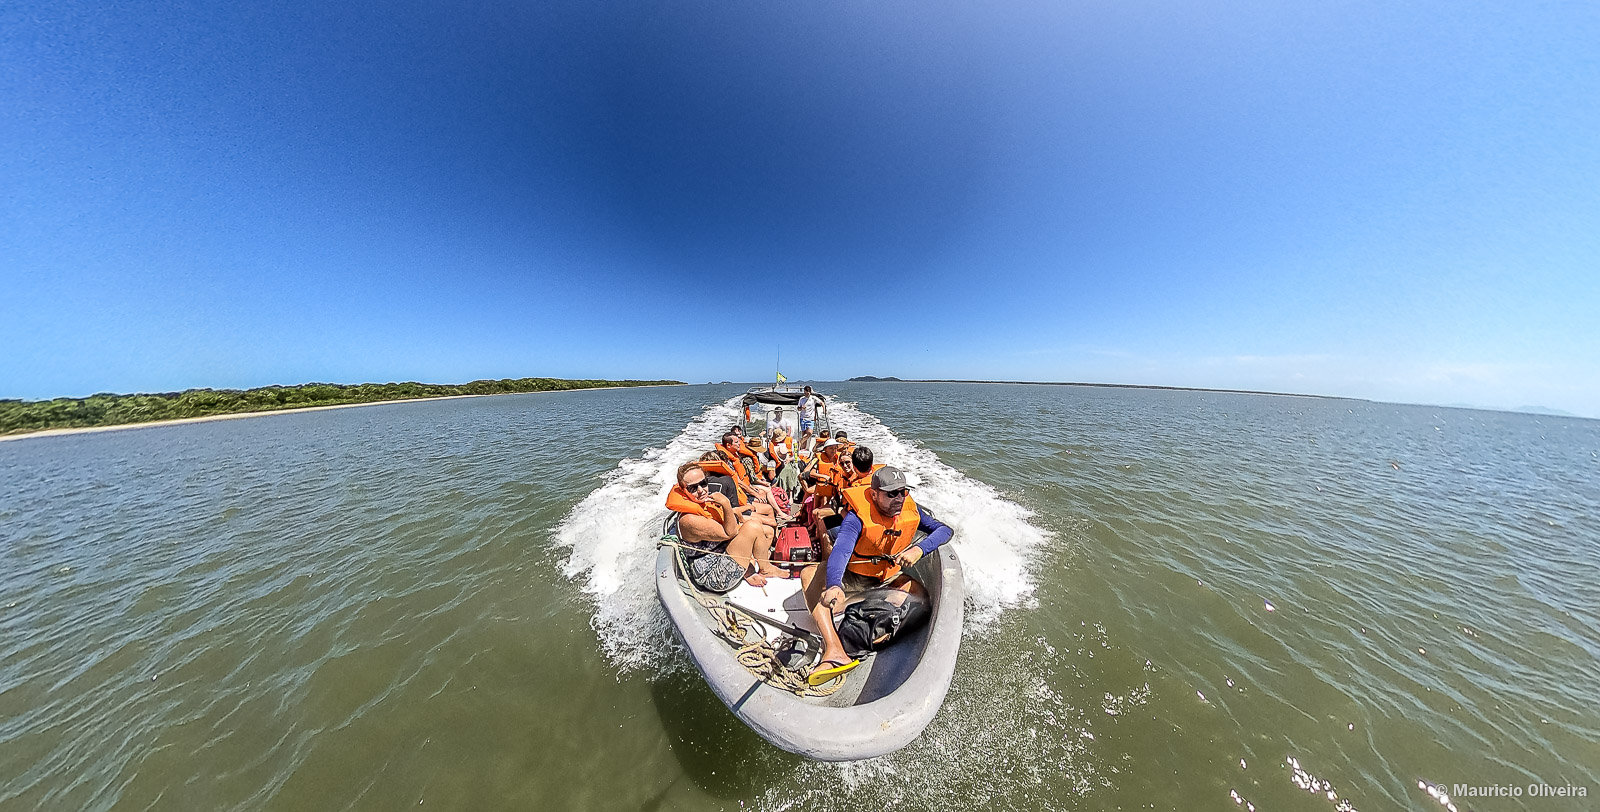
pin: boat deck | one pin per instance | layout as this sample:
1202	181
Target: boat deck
783	600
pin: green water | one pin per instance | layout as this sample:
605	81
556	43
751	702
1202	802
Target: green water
448	605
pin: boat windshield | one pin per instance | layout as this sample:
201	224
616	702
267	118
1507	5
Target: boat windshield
766	407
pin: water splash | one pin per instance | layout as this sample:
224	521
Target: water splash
995	537
612	537
611	533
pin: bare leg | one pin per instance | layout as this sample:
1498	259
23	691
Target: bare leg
819	534
815	580
764	513
753	545
763	552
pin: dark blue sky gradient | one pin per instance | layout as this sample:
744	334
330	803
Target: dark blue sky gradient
1358	199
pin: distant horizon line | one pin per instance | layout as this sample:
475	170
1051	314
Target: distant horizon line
1541	411
1537	411
875	379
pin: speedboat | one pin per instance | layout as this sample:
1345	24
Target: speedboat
754	646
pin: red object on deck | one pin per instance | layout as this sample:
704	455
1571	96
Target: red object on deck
793	544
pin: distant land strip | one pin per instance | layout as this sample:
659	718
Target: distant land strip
869	378
107	410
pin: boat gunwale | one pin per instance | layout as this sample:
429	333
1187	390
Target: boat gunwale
873	728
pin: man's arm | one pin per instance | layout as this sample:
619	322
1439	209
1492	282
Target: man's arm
844	545
938	532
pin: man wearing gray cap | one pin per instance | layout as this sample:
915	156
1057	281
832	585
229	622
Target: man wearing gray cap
873	545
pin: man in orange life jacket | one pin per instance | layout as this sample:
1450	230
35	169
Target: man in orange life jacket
857	469
725	451
873	545
741	450
722	549
748	500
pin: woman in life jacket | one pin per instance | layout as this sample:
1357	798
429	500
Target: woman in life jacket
858	471
720	547
763	462
824	467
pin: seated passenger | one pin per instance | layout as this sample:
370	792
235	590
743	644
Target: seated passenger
815	510
720	548
824	466
779	437
786	474
873	546
738	445
855	474
763	462
724	462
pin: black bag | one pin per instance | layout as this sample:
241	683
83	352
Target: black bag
874	622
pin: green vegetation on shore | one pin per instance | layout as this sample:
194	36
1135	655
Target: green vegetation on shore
19	416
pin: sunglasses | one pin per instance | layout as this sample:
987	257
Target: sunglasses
697	486
894	494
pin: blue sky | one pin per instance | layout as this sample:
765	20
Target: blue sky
1379	200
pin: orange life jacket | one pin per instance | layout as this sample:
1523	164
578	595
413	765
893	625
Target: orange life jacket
738	470
679	501
880	534
788	444
827	473
720	468
849	477
739	449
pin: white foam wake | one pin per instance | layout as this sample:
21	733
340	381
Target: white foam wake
995	537
611	534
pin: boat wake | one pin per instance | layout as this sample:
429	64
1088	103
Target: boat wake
611	534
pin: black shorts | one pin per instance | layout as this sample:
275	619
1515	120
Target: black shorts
855	582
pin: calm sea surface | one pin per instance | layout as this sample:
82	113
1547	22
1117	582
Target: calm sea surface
1180	600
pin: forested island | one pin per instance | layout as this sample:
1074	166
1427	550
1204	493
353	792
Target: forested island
21	416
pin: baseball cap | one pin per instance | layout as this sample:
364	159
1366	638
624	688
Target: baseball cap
889	478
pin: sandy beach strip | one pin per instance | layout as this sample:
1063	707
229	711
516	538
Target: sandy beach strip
238	415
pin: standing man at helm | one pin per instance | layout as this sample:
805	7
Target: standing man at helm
809	403
872	547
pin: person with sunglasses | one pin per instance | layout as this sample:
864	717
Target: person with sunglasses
722	549
855	471
873	546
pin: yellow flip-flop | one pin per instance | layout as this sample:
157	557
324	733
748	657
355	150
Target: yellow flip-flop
821	675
